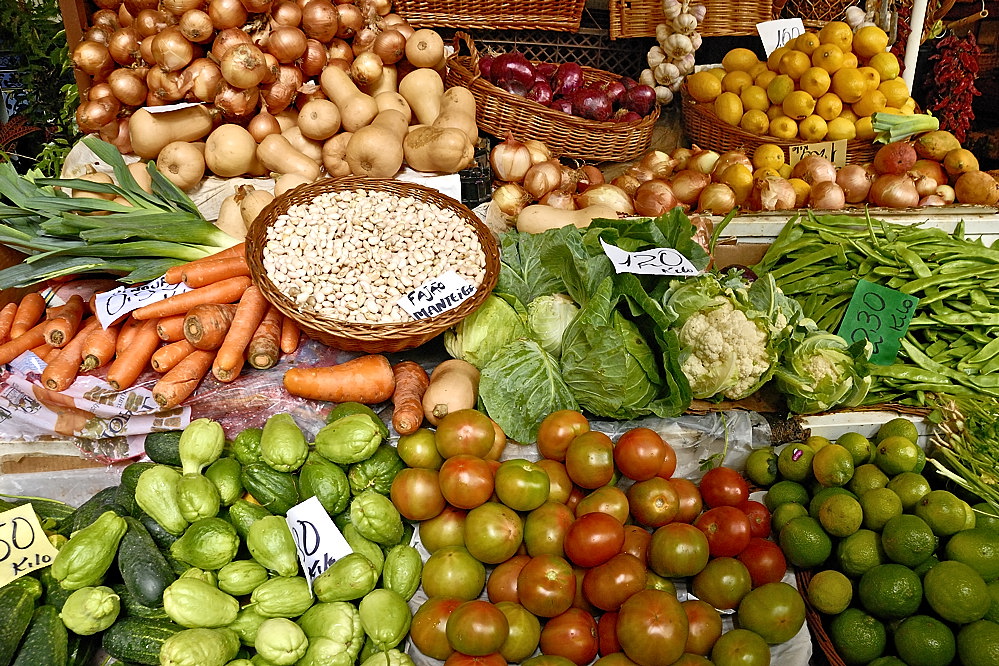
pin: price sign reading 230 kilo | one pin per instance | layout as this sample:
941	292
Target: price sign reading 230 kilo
654	261
881	315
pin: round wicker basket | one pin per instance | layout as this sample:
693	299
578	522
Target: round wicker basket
820	636
352	336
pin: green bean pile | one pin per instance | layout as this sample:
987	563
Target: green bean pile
952	344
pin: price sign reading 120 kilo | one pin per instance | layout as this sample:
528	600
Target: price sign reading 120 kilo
24	548
881	315
654	261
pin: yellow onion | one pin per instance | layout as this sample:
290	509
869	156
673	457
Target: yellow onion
171	50
227	13
285	43
320	20
129	86
92	58
279	95
510	159
243	66
236	102
196	25
123	46
202	79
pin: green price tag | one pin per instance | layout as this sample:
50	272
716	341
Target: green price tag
881	315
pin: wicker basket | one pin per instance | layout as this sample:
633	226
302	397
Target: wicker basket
703	127
558	15
351	336
498	112
816	13
820	636
723	18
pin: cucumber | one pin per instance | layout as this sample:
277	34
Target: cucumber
144	569
126	489
278	491
47	641
91	510
16	606
137	640
32	585
132	607
55	594
164	447
162	538
82	650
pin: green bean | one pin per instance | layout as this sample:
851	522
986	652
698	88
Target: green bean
984	354
909	373
990	319
935	348
915	263
918	285
827	252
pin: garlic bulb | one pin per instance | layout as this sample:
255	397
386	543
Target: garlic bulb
678	46
656	56
686	64
647	78
695	40
854	16
685	24
673	58
664	95
699	12
667	73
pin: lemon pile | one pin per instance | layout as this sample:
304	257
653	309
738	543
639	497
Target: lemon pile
822	86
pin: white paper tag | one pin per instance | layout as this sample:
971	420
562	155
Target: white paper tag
444	292
777	33
834	151
23	545
170	107
656	261
115	304
317	539
448	184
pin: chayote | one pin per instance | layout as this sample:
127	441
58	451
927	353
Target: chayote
337	621
224	473
246	445
200	445
280	641
241	577
202	575
209	543
385	617
350	577
199	647
402	570
322	479
246	623
349	439
90	610
282	444
365	546
156	494
376	472
284	596
376	518
191	602
85	558
349	408
240	662
391	657
197	497
271	544
326	652
243	513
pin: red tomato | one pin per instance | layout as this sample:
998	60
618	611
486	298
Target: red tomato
575	495
493	532
560	485
740	647
452	572
420	449
608	585
445	529
459	659
502	582
557	430
616	659
727	529
546	585
466	481
545	529
547	660
593	538
668	465
690	500
678	550
606	499
428	628
579	600
765	561
524	635
589	460
652	628
636	542
704	626
654	502
639	453
723	486
759	518
572	635
416	492
722	583
522	485
477	628
465	431
607	634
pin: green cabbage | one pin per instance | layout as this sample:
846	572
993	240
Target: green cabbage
548	317
821	370
479	337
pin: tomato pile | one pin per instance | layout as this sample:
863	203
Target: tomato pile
579	553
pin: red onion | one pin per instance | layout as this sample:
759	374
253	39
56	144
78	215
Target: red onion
814	169
687	185
640	98
568	78
592	104
855	181
655	197
894	190
827	195
512	72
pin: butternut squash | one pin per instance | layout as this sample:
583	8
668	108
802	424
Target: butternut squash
287	118
182	163
319	119
151	132
393	100
230	151
423	89
424	48
537	218
278	155
376	150
230	220
251	202
454	385
309	147
458	110
141	175
387	82
287	182
356	108
334	151
438	149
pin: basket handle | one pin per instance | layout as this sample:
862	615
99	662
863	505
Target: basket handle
462	37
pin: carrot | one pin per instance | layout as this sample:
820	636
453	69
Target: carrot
7	315
206	325
130	363
99	348
175	274
171	329
365	379
46	352
28	340
249	313
223	291
264	349
61	371
167	356
289	335
200	274
126	333
179	383
411	382
64	321
30	310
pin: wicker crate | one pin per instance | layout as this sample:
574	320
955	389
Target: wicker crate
639	18
492	14
815	13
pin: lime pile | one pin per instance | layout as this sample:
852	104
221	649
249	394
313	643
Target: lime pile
904	573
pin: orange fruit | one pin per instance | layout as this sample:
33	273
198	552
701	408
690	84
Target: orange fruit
887	65
794	64
815	81
829	57
838	33
739	59
798	104
807	42
829	106
869	41
849	84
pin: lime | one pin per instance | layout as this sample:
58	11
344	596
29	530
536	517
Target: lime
897	427
993	611
922	640
978	644
910	488
830	592
832	465
857	636
785	491
880	505
841	515
942	510
978	548
761	467
795	462
890	591
986	517
887	661
859	552
908	540
920	460
804	542
822	495
895	455
956	592
784	513
867	477
926	565
970	517
859	447
816	442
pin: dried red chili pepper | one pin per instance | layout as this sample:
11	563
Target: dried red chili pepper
952	82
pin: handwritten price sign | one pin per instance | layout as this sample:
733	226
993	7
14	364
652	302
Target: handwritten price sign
881	315
115	304
24	548
317	538
775	34
656	261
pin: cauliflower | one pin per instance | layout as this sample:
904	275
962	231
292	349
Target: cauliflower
726	352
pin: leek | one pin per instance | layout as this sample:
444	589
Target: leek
892	127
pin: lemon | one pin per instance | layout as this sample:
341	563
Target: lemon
829	106
870	103
773	60
829	57
956	592
804	542
821	496
865	128
859	552
768	156
739	59
754	121
794	64
754	97
798	104
910	488
841	515
850	60
783	491
978	644
776	112
764	173
763	79
840	128
815	81
830	592
869	41
858	637
779	88
807	42
703	86
908	107
739	178
758	68
942	510
785	513
867	477
785	171
832	465
812	129
978	548
736	81
728	107
849	114
849	84
922	640
859	447
838	33
890	591
761	465
886	64
794	461
783	127
897	427
717	72
908	540
879	505
801	191
871	76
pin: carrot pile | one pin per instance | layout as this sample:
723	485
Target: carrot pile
220	324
